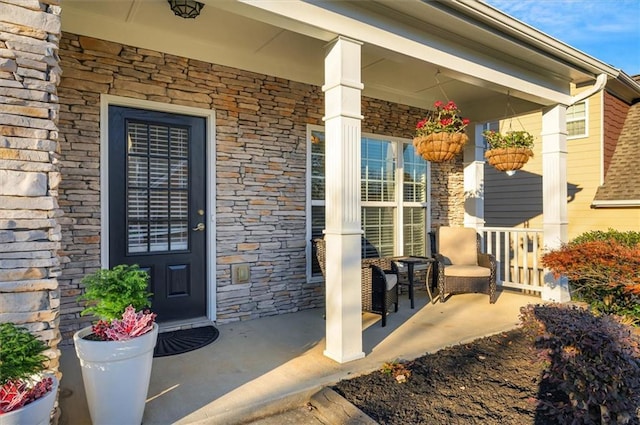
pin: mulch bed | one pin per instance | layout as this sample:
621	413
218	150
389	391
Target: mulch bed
492	380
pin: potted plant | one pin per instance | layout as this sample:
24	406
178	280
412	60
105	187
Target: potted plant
440	136
508	151
27	391
116	353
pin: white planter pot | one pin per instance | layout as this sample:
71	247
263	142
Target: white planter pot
116	376
36	413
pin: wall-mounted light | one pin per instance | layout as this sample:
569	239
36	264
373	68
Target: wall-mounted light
186	8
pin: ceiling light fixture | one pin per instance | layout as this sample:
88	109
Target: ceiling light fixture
186	8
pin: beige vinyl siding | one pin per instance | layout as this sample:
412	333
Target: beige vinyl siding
517	201
584	165
621	219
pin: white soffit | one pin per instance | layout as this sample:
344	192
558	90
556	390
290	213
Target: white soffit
216	36
405	45
382	24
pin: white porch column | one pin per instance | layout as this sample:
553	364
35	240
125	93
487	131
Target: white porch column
554	188
474	181
342	177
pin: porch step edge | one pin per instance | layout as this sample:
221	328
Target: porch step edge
253	412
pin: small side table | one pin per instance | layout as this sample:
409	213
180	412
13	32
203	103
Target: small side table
410	262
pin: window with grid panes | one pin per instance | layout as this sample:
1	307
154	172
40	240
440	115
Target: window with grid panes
577	120
157	191
414	190
394	196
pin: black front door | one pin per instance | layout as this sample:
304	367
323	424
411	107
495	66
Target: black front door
157	205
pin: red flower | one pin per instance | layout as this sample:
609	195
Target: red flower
444	119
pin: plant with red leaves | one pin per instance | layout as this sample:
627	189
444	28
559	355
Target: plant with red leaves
15	394
133	324
604	273
594	361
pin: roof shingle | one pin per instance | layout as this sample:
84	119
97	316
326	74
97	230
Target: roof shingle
622	182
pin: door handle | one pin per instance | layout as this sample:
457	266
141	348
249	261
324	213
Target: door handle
199	227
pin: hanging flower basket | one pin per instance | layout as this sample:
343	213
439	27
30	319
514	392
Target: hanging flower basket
508	159
440	136
508	151
440	147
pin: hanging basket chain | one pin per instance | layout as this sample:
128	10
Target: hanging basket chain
440	85
509	108
511	157
440	135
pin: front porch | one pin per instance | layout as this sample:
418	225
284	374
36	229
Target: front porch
260	367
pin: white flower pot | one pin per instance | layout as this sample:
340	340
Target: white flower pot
35	413
116	376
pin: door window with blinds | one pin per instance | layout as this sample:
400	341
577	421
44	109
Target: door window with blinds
394	183
157	188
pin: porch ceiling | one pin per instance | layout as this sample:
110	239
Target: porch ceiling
250	37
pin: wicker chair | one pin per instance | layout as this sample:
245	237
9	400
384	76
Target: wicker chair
461	266
379	282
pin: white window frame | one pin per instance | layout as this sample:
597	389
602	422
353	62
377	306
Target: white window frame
585	119
398	204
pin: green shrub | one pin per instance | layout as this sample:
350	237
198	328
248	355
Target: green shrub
628	239
110	291
593	360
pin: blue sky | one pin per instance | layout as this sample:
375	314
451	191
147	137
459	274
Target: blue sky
608	30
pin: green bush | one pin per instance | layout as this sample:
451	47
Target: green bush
593	360
628	239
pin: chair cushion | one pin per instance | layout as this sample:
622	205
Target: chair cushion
458	245
466	271
392	280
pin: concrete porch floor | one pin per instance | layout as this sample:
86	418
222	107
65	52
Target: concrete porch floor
265	366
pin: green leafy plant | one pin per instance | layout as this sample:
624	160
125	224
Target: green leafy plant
110	291
510	139
22	363
594	361
120	299
444	119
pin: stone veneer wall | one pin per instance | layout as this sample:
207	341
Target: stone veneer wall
260	167
29	230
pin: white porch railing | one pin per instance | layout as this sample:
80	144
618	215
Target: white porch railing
518	253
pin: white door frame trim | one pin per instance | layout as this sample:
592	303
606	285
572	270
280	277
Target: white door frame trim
107	100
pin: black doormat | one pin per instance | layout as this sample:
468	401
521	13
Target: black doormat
184	340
